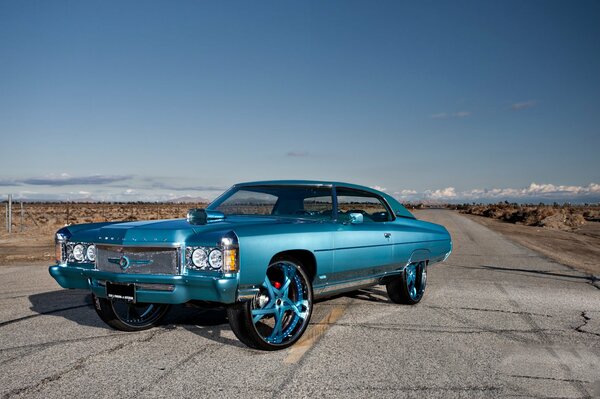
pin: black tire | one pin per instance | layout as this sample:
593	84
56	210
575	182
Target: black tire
126	316
287	311
409	288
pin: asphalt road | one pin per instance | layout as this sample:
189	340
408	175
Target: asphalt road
497	320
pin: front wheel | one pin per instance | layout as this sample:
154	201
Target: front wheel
409	287
278	316
127	316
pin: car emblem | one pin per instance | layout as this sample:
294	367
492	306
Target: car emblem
124	262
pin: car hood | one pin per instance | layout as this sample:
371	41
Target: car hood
165	231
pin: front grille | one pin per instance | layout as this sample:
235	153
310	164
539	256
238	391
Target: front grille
137	260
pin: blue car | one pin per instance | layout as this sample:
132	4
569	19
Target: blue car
264	250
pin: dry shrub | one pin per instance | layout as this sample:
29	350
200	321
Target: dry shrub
547	216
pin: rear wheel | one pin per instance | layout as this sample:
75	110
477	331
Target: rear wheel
278	316
409	287
127	316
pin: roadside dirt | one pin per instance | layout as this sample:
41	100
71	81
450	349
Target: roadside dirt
27	247
579	249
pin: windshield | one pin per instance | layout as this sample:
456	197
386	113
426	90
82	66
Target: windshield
296	201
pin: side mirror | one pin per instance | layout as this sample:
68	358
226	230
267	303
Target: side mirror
202	216
355	218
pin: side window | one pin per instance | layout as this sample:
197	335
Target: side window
318	205
371	207
245	202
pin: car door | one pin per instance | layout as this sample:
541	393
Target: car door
361	249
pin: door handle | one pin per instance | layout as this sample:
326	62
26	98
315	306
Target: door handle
387	235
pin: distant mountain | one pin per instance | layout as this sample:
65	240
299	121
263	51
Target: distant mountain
187	199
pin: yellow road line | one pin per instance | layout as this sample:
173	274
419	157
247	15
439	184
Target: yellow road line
314	334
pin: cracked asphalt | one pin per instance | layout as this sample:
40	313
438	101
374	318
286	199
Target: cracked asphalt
498	320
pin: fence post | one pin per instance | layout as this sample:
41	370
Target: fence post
9	213
22	216
6	216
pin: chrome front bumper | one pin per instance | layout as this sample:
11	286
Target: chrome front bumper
154	288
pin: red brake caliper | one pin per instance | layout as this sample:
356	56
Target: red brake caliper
277	284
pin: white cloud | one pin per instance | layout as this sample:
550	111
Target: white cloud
444	193
523	105
445	115
405	192
534	192
297	154
379	188
441	115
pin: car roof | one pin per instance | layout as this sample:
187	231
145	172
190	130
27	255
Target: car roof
307	183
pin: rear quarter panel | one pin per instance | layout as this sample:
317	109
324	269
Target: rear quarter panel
417	240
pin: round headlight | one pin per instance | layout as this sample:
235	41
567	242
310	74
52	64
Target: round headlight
215	259
78	252
91	253
199	258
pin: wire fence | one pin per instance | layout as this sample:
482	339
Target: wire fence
23	217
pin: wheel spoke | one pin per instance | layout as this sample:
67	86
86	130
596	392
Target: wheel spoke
290	273
147	311
286	285
272	290
296	307
258	314
276	333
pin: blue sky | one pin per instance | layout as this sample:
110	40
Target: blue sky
438	100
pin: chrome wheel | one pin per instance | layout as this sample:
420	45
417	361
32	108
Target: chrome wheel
282	309
410	286
279	314
416	279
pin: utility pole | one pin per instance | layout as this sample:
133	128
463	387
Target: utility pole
9	213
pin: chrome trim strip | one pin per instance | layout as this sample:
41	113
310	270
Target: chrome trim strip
142	244
155	286
350	284
355	284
